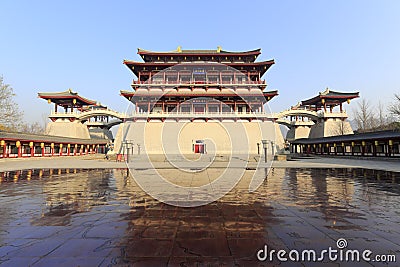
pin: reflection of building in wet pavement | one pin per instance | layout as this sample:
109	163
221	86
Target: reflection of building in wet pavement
101	217
64	194
75	195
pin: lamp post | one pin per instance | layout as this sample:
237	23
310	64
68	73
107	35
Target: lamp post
273	148
265	144
127	145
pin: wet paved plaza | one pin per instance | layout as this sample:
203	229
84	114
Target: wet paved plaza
79	217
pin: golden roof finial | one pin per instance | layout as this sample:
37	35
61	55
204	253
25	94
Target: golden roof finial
219	48
179	49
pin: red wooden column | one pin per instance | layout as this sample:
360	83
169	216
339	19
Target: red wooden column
362	148
52	149
32	147
75	149
61	150
4	145
390	146
68	149
18	145
42	147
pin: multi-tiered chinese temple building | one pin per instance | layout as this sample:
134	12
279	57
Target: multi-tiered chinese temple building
202	93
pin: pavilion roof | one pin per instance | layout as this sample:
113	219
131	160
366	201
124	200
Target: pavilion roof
65	98
330	97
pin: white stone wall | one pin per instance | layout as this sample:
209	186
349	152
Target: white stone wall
330	127
171	137
66	128
100	133
298	132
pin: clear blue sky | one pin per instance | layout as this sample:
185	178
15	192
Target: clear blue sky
56	45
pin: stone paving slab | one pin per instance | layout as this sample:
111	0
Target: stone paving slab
102	218
160	162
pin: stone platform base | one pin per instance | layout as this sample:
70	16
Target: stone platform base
171	137
65	128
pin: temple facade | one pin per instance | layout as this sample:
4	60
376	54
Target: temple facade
186	97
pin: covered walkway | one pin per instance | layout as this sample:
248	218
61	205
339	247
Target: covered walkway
17	145
373	144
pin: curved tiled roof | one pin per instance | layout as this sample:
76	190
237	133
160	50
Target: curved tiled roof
329	94
198	51
60	97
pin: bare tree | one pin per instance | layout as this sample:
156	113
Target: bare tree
364	116
10	115
339	128
395	107
382	119
45	121
32	128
